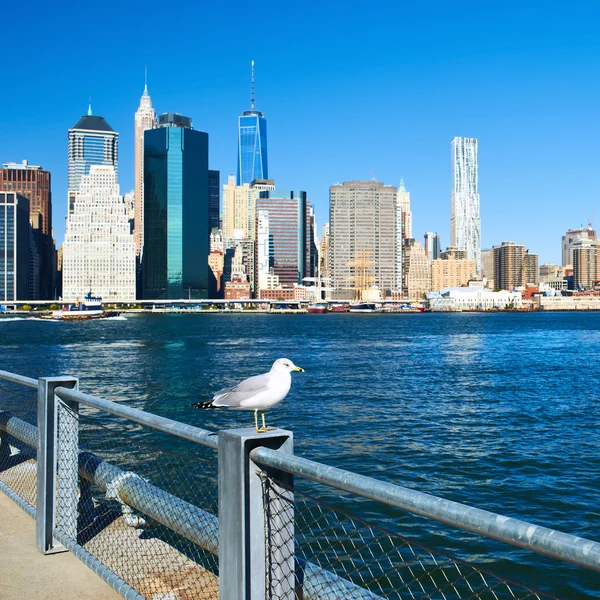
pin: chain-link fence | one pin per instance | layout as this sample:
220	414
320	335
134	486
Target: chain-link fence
122	467
338	555
17	459
136	496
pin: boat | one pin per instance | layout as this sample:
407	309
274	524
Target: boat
90	308
318	307
339	308
363	307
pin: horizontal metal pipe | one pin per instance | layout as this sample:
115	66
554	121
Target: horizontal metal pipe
19	429
549	542
30	510
181	430
193	523
20	379
196	525
318	584
115	582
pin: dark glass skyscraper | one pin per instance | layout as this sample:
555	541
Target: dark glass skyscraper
252	144
176	210
214	200
15	265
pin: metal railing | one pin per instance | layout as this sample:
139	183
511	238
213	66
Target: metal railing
145	519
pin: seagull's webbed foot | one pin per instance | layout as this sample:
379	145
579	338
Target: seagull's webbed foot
264	427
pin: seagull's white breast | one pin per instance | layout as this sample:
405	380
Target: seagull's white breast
278	388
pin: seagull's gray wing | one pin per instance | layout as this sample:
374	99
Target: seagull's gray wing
234	396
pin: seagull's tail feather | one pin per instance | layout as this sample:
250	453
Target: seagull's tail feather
205	404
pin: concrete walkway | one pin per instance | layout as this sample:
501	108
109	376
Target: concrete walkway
25	573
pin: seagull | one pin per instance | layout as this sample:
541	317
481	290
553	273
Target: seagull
256	393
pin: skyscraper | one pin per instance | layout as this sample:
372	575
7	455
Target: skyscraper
252	144
417	270
35	184
465	221
432	246
145	118
288	223
214	200
92	141
514	266
586	264
403	230
14	247
573	238
176	213
264	249
239	208
98	251
362	236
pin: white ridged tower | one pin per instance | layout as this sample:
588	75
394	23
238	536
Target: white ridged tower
98	251
145	118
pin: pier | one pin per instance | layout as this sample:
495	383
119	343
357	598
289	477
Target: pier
197	514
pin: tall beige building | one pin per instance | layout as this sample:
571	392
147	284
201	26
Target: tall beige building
571	239
586	264
239	208
514	266
452	269
403	230
362	236
417	269
145	118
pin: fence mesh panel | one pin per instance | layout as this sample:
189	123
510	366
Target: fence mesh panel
341	556
18	459
165	551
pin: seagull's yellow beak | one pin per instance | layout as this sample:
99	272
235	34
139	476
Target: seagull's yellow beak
298	369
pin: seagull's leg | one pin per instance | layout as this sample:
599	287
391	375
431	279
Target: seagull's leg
256	420
264	427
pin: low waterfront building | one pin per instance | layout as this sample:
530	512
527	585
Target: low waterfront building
473	298
99	249
452	269
574	302
237	289
297	293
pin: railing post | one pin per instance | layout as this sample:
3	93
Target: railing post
47	460
245	569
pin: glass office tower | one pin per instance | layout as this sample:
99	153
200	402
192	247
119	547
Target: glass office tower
252	147
14	247
176	210
92	141
292	250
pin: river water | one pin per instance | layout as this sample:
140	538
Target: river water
500	411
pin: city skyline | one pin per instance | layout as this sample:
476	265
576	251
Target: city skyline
519	118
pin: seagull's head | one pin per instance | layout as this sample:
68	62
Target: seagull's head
285	364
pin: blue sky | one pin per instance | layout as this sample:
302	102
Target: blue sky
347	88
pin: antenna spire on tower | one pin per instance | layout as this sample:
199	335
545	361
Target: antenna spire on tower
146	79
90	107
252	92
